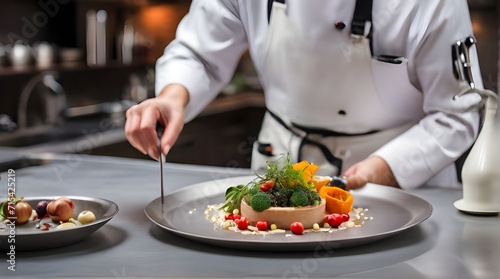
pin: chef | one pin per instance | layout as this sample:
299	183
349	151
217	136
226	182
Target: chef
362	88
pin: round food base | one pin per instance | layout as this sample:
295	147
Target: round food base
282	217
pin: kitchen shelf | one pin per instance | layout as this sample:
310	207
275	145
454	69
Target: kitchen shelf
32	70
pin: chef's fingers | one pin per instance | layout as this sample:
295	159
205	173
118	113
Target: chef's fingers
140	128
132	128
148	137
354	176
375	169
352	170
356	181
174	98
172	129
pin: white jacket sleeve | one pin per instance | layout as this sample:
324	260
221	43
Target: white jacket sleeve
208	45
446	131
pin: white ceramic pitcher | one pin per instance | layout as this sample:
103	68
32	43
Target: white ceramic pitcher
481	170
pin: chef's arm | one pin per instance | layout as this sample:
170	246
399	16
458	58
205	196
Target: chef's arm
192	71
209	42
446	131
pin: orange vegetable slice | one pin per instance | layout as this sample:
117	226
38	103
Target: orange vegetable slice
307	169
320	181
337	199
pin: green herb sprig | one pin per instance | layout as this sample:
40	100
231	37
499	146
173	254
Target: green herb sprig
234	195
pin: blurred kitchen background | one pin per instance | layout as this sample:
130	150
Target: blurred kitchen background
69	69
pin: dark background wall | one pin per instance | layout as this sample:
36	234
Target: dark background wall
62	22
485	16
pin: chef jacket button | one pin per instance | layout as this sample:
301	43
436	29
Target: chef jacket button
342	112
339	25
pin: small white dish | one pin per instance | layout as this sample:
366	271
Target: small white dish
474	209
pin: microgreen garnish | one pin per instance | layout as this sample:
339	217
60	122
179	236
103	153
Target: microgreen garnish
286	181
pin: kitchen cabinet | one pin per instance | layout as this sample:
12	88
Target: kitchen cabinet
68	25
62	24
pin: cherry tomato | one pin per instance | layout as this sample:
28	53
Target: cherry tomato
297	228
242	223
261	225
334	219
345	217
270	183
264	187
232	216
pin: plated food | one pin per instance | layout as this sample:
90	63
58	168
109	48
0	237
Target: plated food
185	214
67	220
57	213
286	197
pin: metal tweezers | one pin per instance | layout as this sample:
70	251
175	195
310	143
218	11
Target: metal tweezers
159	131
460	54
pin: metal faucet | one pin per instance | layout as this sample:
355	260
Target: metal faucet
54	98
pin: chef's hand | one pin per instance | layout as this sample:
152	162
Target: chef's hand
166	109
373	169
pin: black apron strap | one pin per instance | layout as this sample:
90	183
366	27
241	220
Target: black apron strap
362	15
270	8
329	133
326	152
337	162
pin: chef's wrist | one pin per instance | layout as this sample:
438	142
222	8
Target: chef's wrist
175	93
381	172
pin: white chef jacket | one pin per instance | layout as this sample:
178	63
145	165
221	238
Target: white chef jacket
215	33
